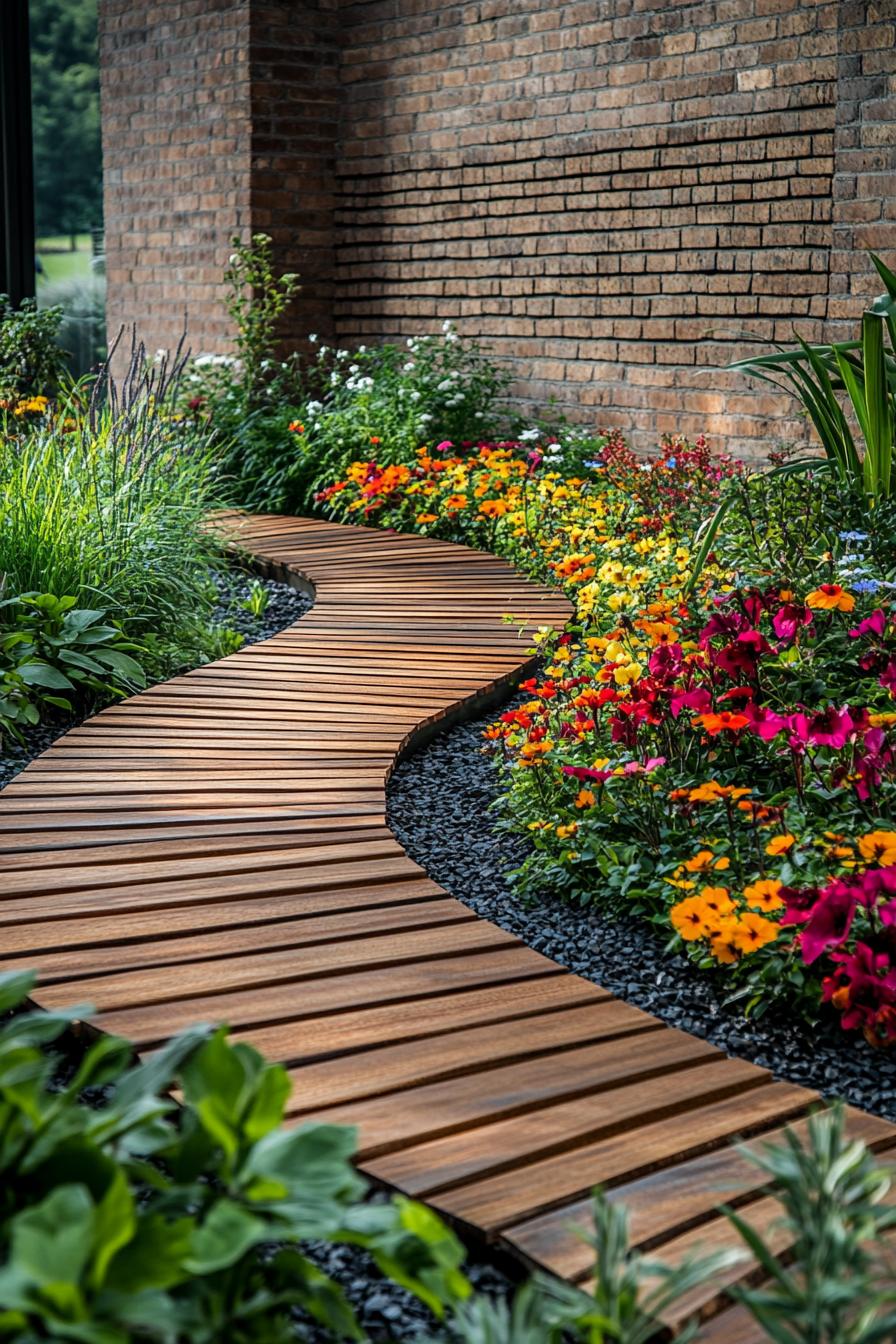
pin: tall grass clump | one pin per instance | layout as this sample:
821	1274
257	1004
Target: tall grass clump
102	500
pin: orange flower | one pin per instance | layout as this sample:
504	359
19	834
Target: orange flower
374	439
426	518
751	932
879	847
454	502
492	508
830	597
763	895
717	901
689	918
713	792
726	721
585	798
722	944
779	844
295	427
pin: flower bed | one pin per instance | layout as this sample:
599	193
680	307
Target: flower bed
714	751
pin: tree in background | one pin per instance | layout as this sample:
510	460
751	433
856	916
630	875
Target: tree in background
66	116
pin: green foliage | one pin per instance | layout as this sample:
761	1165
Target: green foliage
104	503
131	1219
66	115
256	600
257	299
630	1294
31	360
54	655
864	372
836	1285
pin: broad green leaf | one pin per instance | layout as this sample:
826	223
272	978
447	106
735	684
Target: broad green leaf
226	1235
42	674
51	1241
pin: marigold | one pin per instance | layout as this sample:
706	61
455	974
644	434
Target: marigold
830	597
779	844
763	894
879	847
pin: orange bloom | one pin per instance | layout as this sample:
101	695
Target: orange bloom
295	427
779	844
722	944
830	597
763	895
456	502
713	792
726	721
689	918
717	901
492	508
374	439
751	932
426	518
879	847
585	798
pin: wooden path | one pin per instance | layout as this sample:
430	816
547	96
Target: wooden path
216	849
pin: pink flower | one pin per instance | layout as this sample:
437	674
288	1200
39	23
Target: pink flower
875	624
831	728
765	723
788	619
444	446
887	678
585	772
829	921
699	699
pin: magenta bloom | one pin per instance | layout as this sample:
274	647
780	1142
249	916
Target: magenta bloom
831	728
829	921
875	624
698	699
666	661
765	723
788	619
444	446
585	772
887	678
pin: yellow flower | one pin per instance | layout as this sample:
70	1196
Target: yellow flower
779	844
563	832
879	847
626	675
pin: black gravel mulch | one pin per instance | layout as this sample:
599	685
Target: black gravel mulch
439	808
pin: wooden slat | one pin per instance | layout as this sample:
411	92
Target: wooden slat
215	849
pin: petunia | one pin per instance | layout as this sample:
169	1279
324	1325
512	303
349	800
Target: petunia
829	922
788	619
875	624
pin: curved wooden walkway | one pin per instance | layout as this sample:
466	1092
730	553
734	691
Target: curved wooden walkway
216	849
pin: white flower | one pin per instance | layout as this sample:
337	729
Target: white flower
409	343
447	325
529	434
354	368
480	415
342	354
409	366
415	396
452	336
314	406
425	418
335	380
314	338
444	385
362	349
233	259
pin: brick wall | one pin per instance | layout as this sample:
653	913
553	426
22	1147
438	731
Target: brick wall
605	191
174	79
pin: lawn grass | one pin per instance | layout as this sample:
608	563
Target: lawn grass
62	264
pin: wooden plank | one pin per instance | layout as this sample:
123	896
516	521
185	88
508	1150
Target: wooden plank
215	848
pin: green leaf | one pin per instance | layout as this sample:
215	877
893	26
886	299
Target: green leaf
51	1241
42	674
114	1225
15	986
227	1234
122	663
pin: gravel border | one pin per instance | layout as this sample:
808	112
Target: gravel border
285	605
440	809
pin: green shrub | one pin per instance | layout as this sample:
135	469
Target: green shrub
56	655
31	360
105	503
130	1219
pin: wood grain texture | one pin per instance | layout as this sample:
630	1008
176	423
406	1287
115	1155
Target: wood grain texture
215	849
